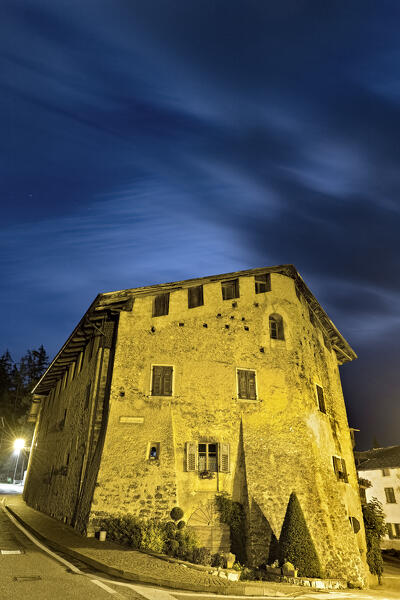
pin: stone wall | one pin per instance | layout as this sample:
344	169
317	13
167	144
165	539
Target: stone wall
279	443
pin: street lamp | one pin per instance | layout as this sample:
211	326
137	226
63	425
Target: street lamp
19	445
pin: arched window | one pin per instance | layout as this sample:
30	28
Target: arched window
276	327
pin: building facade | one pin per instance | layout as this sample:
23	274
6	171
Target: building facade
170	394
381	467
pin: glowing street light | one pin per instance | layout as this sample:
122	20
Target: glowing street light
19	444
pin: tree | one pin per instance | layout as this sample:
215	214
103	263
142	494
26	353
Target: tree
375	529
295	543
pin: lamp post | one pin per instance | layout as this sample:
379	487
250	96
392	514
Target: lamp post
19	444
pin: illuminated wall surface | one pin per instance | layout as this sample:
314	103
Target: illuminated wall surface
239	393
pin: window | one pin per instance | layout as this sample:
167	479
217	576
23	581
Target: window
161	381
246	382
276	327
154	451
385	472
355	524
396	530
195	296
390	497
230	289
320	398
207	456
339	466
393	530
161	305
262	283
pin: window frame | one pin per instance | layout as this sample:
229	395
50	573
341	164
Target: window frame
340	469
259	284
385	472
157	304
248	399
389	493
192	295
234	285
280	329
152	381
318	386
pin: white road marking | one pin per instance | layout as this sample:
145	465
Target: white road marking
104	586
153	594
11	551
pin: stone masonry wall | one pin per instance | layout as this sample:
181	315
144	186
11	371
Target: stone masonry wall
279	443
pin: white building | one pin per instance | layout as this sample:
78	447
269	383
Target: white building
381	466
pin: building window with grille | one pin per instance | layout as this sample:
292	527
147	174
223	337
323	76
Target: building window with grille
339	467
390	497
262	283
161	305
230	289
207	457
246	384
161	381
195	296
320	398
385	472
276	327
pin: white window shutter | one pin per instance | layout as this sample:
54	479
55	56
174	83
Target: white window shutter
224	458
191	456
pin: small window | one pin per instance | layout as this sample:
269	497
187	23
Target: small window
355	524
339	466
262	283
161	305
390	497
385	472
320	398
396	530
230	289
162	381
246	384
276	327
154	451
195	296
389	529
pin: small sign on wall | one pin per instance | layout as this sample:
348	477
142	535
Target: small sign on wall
131	419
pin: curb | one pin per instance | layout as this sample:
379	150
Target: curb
222	590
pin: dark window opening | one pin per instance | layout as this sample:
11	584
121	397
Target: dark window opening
208	457
154	451
161	305
162	381
339	466
246	384
385	472
276	327
321	399
230	289
390	497
195	296
262	283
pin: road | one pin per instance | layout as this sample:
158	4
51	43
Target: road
30	570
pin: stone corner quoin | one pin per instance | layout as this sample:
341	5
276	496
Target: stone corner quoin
167	395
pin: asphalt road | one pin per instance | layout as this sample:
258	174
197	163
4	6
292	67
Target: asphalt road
30	570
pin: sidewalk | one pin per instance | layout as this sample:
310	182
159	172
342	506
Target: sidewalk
136	566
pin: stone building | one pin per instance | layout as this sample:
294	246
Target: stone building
381	467
167	395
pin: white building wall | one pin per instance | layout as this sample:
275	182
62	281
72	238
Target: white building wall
391	510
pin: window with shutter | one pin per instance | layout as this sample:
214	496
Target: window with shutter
262	283
161	381
195	296
246	384
161	305
390	497
396	530
224	461
344	475
230	289
191	456
339	466
320	398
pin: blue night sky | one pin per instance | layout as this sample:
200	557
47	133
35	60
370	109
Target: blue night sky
151	141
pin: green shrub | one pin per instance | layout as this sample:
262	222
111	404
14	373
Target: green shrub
375	529
295	543
201	556
218	560
153	536
187	544
172	547
170	529
181	524
232	514
176	513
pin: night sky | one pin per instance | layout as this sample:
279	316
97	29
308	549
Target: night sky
145	141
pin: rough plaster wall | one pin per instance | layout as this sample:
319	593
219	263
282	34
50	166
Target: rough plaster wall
57	495
288	443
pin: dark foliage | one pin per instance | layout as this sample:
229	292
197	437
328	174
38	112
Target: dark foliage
176	513
295	543
375	529
232	514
